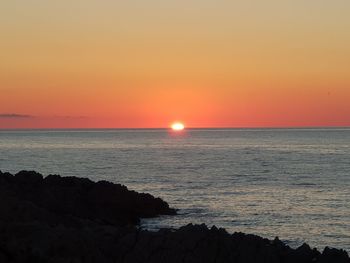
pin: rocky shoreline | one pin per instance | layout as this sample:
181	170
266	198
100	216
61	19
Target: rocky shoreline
70	219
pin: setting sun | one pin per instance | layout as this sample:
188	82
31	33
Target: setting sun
177	126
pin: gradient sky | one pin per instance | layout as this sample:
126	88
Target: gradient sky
222	63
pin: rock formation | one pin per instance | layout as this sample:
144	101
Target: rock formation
69	219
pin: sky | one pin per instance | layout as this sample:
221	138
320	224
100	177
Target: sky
146	64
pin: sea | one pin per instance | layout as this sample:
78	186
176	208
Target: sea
290	183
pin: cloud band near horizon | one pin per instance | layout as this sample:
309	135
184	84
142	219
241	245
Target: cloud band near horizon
15	115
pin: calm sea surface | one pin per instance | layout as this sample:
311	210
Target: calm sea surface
294	183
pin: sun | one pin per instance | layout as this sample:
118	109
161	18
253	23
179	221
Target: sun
177	126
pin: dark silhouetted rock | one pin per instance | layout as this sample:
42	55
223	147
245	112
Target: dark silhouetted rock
68	219
77	198
334	255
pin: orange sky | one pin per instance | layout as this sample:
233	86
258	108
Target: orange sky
94	64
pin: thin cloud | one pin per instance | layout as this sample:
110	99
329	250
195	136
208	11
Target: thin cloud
24	116
15	116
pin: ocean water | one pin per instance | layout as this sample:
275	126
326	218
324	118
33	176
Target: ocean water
291	183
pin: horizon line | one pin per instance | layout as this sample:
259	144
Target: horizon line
187	128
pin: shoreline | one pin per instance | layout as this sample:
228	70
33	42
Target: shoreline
54	218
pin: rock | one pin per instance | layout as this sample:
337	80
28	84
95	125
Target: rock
28	177
80	198
68	219
330	255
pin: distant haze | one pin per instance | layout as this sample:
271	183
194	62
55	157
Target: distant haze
148	63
